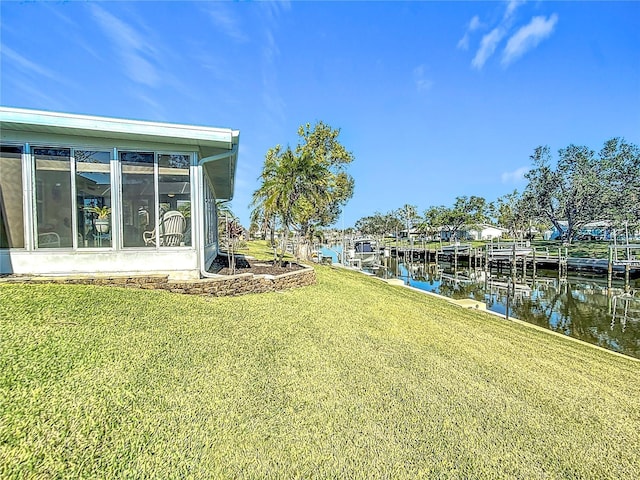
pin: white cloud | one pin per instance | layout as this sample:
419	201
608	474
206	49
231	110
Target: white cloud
224	19
488	45
512	6
528	37
135	50
32	91
273	101
491	40
515	176
273	10
27	66
422	83
149	106
474	24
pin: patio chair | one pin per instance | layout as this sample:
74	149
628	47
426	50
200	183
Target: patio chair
48	240
171	233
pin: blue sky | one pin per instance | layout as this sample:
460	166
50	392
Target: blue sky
434	99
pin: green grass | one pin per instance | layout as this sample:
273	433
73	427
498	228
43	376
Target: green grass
578	249
260	249
351	378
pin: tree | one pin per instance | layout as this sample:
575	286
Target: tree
321	144
408	216
621	171
379	225
263	222
572	192
433	220
372	225
305	188
263	214
290	185
513	212
230	231
466	211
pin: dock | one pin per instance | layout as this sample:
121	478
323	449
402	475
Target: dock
623	261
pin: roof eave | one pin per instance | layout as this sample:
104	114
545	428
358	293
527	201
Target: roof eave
86	125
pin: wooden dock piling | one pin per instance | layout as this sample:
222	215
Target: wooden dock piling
610	271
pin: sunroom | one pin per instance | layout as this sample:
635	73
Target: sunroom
95	195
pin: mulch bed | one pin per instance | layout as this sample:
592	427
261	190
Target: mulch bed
250	265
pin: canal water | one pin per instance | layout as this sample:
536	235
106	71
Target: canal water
333	251
575	306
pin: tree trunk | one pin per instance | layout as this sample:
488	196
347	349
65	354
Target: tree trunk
303	250
283	244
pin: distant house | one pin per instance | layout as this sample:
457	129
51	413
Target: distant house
87	194
485	232
475	232
597	230
412	233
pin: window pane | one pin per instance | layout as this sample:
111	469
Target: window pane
93	192
138	198
210	216
11	216
53	197
174	190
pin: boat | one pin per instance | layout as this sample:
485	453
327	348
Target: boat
364	252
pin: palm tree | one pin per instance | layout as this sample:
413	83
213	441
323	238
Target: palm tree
291	185
265	215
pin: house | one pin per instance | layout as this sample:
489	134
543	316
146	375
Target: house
598	230
86	194
485	232
411	233
473	232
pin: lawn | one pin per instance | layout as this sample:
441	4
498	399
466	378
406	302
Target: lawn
350	378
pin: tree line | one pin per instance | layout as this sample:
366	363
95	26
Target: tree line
579	187
304	188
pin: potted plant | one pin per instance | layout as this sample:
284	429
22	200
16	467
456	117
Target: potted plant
102	220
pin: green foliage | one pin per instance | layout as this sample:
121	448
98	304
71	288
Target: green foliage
185	209
584	187
379	225
515	213
408	216
466	211
102	212
351	378
230	232
581	187
320	143
621	173
306	188
291	186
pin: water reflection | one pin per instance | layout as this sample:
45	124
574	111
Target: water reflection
575	306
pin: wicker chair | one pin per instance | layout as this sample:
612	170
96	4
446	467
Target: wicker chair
171	232
48	240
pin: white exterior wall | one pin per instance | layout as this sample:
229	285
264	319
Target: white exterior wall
182	263
71	131
490	233
486	233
